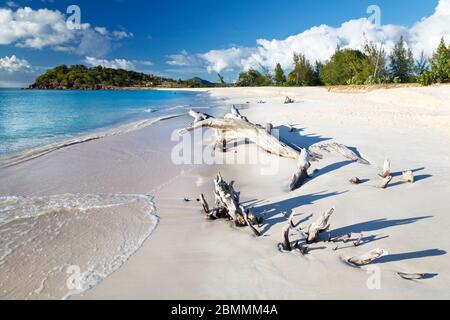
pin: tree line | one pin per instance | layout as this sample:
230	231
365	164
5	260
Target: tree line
80	77
372	65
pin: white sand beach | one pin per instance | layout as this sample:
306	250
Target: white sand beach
187	256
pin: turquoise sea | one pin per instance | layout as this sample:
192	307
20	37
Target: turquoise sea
35	118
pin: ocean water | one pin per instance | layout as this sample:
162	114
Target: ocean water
56	246
34	118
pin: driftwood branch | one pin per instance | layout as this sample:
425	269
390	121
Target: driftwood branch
198	116
386	169
408	176
236	114
345	151
288	100
367	258
319	226
384	183
412	276
228	206
237	129
302	170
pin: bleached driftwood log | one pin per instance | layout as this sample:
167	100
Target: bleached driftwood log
198	116
286	243
288	100
319	226
268	127
412	276
359	240
235	114
291	128
228	206
386	169
204	204
408	176
384	183
302	170
367	258
345	151
236	129
343	238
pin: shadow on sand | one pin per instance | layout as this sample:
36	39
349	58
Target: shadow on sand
287	206
411	255
298	140
374	225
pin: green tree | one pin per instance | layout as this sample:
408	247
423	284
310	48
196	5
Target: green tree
375	63
253	78
303	73
346	67
401	66
440	63
421	65
280	77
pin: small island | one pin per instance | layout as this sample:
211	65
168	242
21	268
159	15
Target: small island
80	77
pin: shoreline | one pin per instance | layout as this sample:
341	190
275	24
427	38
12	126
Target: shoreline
188	257
30	154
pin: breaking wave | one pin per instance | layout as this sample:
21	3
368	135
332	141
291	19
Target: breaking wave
57	246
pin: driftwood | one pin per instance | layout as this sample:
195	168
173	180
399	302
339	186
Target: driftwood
232	128
302	170
204	204
319	226
355	180
412	276
358	241
228	206
235	114
385	182
291	128
288	100
386	169
343	238
408	176
198	116
286	244
268	127
345	151
367	258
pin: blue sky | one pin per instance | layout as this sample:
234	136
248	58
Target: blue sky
187	38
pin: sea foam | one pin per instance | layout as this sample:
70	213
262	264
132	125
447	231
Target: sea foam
53	247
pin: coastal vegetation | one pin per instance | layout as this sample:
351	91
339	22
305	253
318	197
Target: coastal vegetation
370	66
80	77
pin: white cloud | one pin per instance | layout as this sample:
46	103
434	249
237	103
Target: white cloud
319	42
38	29
119	35
184	59
115	64
13	64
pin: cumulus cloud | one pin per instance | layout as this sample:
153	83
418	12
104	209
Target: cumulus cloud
117	63
319	42
13	64
184	59
42	28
